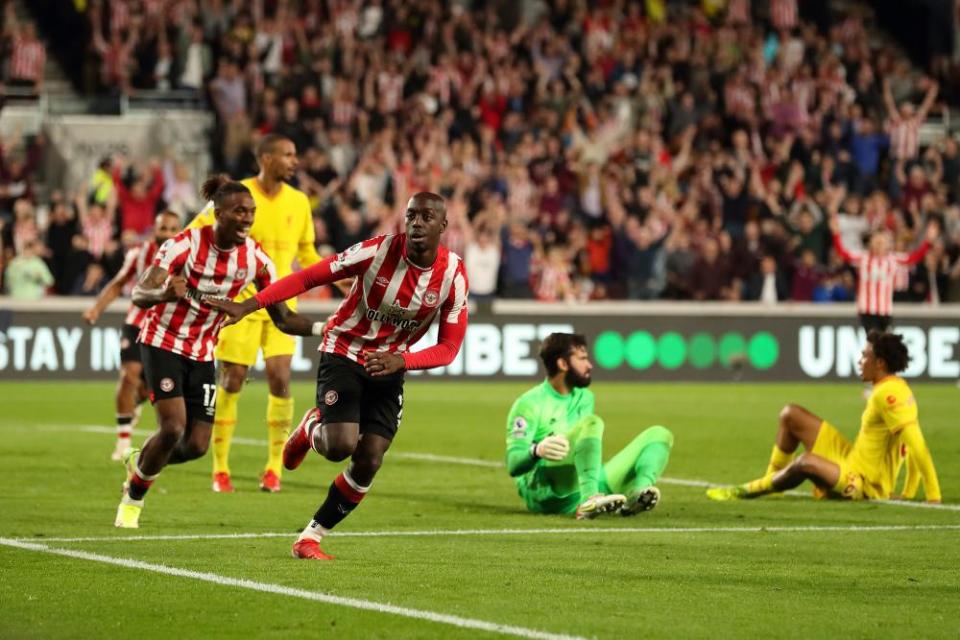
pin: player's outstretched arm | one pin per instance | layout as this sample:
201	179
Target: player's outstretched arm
296	283
236	311
293	323
110	293
158	286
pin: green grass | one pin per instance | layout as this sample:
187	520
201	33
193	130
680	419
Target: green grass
594	583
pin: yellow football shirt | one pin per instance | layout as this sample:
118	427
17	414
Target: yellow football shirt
283	226
889	423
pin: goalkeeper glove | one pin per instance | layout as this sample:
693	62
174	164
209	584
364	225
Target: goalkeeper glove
551	448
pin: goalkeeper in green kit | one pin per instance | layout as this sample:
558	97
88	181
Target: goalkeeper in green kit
555	444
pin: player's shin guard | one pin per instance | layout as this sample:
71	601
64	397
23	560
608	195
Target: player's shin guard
124	426
759	487
342	498
587	456
651	463
779	459
279	417
223	427
138	483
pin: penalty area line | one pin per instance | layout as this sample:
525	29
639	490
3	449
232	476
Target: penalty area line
435	533
290	592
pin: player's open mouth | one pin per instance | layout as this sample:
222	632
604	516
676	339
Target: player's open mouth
243	232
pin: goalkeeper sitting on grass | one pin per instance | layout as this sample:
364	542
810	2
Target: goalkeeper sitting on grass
554	444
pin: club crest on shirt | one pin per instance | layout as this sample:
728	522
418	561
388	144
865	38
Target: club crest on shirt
330	398
166	385
430	298
240	274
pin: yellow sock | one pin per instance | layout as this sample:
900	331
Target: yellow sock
760	485
778	460
224	424
279	417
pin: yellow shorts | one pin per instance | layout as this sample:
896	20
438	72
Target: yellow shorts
239	343
832	445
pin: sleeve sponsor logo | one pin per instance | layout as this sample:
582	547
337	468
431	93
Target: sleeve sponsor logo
519	427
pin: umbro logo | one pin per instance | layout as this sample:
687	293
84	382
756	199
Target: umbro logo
382	281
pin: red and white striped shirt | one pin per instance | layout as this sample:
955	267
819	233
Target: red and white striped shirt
392	302
390	88
188	326
904	137
739	100
135	262
783	13
98	233
27	60
738	12
344	112
877	275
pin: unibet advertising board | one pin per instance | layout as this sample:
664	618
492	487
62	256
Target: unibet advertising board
38	344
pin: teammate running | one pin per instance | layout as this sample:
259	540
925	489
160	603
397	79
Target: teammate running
284	229
180	331
404	282
554	444
131	390
866	468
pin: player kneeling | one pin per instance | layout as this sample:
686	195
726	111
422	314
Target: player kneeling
866	468
555	444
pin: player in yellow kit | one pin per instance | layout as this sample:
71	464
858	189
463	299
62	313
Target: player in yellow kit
284	228
868	467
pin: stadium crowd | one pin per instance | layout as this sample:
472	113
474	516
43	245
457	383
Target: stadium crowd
587	150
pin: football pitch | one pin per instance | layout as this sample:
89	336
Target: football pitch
442	547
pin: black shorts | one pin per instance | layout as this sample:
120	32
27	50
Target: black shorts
170	375
347	393
871	321
129	349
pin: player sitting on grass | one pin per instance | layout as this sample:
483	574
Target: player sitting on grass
866	468
554	444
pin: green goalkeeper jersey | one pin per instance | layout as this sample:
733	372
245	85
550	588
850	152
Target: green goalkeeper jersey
539	412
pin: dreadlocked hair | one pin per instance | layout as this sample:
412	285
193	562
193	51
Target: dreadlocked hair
219	186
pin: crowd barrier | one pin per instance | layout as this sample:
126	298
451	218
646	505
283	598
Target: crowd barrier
629	341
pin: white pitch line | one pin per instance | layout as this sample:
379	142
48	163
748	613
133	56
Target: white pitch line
476	462
316	596
437	533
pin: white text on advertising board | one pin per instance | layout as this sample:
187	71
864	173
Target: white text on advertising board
826	349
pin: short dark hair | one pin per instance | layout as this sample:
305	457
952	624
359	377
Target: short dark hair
890	348
559	345
219	186
435	200
268	143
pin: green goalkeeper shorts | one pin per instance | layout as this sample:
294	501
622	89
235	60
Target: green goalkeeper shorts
540	497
